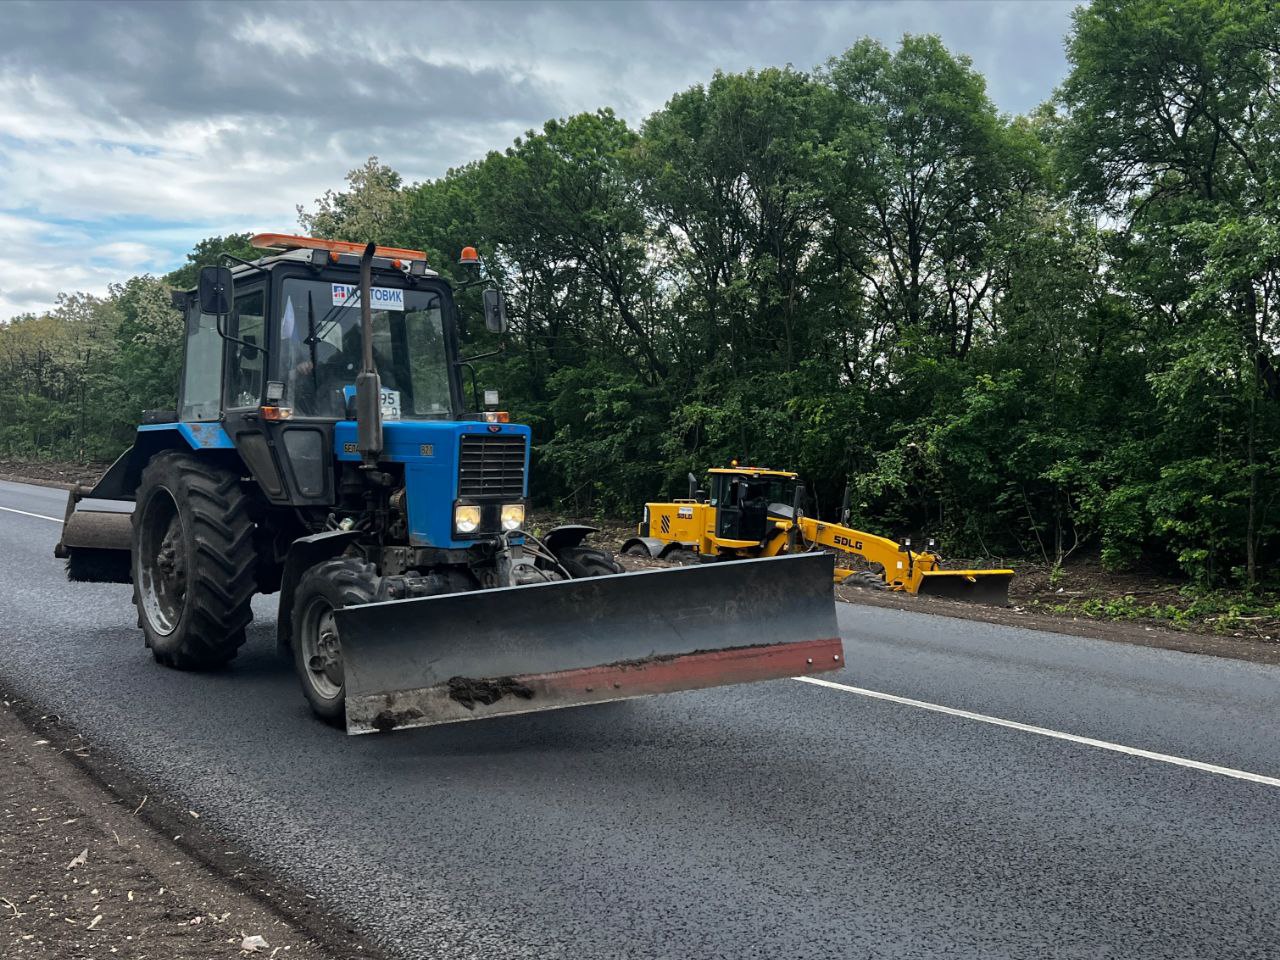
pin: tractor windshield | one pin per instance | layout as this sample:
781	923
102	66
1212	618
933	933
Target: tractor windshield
321	350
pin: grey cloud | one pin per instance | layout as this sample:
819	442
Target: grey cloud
644	53
222	116
147	63
379	65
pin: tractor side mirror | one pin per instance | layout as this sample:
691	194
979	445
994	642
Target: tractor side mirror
495	310
217	290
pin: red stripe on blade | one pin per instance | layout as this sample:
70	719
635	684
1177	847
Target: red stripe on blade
472	699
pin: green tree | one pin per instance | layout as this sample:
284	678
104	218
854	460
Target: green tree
1172	131
208	253
370	209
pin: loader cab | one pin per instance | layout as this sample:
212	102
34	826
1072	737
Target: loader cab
746	497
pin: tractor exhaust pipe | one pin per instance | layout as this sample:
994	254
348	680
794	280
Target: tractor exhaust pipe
368	386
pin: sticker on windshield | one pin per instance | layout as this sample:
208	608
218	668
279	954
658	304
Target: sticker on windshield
380	298
390	404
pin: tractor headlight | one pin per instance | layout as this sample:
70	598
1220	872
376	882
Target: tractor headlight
512	516
466	518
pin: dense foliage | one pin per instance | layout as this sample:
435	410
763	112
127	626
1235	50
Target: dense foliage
1026	335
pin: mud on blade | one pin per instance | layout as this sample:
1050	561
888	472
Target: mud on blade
410	663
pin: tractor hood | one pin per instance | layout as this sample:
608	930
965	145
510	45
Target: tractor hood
447	462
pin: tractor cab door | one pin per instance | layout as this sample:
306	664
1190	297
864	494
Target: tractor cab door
292	461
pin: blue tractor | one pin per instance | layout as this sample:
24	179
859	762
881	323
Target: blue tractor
324	449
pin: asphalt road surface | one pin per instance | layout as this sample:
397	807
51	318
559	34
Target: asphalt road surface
782	820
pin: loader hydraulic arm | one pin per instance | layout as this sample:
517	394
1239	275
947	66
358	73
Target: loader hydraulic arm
902	568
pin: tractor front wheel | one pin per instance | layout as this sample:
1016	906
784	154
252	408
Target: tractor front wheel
317	652
193	561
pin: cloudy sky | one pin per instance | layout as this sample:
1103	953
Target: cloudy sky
128	131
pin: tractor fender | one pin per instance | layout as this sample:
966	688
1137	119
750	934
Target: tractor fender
652	544
567	536
121	480
304	553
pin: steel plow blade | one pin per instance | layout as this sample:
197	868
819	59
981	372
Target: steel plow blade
990	587
418	662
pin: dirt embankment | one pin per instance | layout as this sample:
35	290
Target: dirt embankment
54	473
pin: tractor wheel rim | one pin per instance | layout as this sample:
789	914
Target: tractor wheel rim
162	563
321	652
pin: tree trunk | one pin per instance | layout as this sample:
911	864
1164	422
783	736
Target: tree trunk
1254	385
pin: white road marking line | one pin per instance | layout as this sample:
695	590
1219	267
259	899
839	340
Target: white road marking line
1046	732
38	516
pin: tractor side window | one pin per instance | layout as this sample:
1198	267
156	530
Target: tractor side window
245	370
202	367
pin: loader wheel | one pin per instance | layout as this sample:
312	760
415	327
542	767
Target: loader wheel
681	555
588	562
317	654
867	580
193	561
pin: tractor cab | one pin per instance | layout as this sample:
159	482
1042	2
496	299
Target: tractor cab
745	498
273	356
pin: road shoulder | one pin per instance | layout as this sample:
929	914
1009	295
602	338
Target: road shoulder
91	864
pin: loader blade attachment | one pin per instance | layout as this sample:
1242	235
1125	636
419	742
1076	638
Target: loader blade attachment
413	663
95	543
990	587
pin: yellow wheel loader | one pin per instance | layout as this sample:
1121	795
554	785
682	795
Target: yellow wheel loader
756	512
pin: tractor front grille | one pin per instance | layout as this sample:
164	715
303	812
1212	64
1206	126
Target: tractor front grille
491	466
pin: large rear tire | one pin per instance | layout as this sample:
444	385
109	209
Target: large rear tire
193	561
317	652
